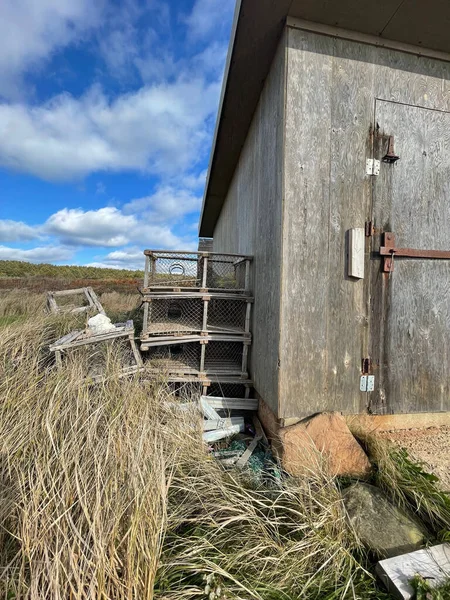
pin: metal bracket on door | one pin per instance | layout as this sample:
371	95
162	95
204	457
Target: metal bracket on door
388	251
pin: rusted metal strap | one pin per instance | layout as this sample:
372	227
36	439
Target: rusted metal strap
389	251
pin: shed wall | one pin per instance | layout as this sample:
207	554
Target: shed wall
250	223
332	85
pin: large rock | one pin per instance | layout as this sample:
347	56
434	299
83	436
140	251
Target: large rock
324	443
380	525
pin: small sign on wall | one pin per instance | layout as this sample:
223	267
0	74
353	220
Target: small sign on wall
356	249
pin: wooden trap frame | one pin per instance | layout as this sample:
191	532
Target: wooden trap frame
93	303
75	339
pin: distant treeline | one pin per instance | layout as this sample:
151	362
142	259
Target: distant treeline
16	268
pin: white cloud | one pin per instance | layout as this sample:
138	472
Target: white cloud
104	227
109	227
161	129
166	204
13	231
130	258
51	254
210	17
31	30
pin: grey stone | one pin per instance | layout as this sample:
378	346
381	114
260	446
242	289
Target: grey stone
380	525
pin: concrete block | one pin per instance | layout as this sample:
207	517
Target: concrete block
433	564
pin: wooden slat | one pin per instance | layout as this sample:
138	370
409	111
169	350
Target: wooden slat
70	292
69	337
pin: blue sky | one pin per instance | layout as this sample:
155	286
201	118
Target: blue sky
107	112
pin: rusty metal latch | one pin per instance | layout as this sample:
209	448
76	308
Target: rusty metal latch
390	157
389	251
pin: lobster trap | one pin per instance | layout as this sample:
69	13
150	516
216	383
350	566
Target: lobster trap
198	270
199	357
95	354
79	300
185	314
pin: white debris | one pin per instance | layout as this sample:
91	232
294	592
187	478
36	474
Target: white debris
100	324
433	564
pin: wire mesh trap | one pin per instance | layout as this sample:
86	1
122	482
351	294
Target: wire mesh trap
174	316
228	315
181	358
199	357
201	270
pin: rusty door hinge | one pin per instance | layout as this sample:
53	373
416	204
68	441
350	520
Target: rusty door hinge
388	251
366	366
369	229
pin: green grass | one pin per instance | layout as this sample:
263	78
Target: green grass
107	491
425	592
15	268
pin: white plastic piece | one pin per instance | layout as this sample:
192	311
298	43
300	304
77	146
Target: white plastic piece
220	434
356	250
211	424
363	383
100	324
208	410
433	564
232	403
370	383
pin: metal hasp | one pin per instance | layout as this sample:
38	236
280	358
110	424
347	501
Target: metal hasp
390	157
388	251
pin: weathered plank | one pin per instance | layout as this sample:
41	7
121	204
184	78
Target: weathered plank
304	290
250	222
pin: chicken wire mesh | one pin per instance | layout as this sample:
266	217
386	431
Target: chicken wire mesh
227	390
224	357
226	272
193	269
174	269
176	358
227	315
174	316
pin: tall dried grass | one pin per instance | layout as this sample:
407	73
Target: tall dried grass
106	492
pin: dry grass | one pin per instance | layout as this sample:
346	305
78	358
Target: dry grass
108	493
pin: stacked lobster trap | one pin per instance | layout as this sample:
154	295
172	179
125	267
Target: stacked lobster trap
197	313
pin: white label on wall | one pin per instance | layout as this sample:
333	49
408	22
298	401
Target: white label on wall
356	249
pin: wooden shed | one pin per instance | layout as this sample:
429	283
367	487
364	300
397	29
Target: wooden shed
331	166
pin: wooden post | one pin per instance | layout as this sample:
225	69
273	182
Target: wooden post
247	317
247	274
147	261
205	316
147	310
136	353
202	357
58	358
244	358
205	271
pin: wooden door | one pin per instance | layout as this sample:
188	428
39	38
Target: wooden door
409	339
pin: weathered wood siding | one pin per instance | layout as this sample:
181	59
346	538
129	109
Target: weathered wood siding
332	86
250	223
